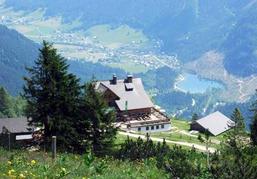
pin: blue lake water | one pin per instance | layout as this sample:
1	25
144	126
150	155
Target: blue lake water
194	84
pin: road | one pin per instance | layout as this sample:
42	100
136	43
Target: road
187	144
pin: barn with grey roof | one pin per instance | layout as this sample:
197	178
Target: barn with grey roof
13	130
215	123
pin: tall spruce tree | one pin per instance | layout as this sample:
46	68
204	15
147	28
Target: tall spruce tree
253	128
236	136
52	95
195	117
237	117
100	118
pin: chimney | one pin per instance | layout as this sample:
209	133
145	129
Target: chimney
129	79
114	79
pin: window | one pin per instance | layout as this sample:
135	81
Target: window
152	127
162	126
157	127
139	129
147	128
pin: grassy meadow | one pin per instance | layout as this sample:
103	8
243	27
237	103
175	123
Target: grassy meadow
24	164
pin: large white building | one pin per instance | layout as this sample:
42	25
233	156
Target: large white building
135	110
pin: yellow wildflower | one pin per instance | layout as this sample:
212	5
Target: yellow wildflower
11	171
64	170
9	162
84	177
33	162
22	176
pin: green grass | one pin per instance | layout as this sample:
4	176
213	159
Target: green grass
181	124
116	37
129	66
24	164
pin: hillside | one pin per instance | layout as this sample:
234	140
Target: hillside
182	26
24	164
240	46
16	52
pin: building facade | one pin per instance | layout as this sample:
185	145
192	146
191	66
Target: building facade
133	106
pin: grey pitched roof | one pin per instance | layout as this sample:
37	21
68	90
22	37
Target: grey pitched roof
14	125
216	123
133	93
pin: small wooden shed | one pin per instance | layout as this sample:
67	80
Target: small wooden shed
15	132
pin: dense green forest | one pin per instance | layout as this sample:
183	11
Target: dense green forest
11	106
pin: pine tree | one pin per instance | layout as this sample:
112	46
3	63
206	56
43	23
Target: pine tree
236	136
194	117
237	117
101	118
253	128
52	95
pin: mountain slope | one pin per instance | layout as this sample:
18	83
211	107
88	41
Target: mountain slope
186	27
16	52
240	48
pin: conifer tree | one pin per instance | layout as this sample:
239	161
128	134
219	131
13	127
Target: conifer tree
194	117
253	125
236	136
52	95
100	118
239	121
253	128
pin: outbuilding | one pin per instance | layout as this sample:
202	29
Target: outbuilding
215	123
14	131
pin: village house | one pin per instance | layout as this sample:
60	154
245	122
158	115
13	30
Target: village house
134	109
14	131
215	123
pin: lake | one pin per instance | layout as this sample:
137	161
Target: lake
193	84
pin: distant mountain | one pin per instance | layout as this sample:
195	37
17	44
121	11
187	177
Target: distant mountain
188	28
240	48
16	52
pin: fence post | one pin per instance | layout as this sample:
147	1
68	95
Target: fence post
53	147
9	141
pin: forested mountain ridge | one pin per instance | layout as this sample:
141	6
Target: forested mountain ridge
240	46
16	52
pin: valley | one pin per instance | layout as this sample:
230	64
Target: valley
122	47
135	44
